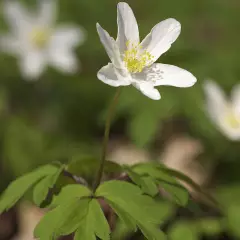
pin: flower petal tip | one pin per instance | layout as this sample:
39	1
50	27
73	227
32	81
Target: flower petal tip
121	4
194	80
99	28
209	85
175	23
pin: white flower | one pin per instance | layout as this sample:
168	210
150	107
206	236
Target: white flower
36	41
225	113
132	62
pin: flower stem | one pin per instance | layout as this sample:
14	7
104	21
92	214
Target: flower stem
106	138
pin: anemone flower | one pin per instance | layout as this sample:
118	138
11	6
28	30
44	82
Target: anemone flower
36	41
224	113
132	62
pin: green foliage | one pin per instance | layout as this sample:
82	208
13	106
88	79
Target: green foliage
183	230
193	229
70	192
125	227
71	206
121	231
147	184
42	188
233	218
144	115
191	183
62	220
164	180
20	186
86	166
210	226
24	145
139	208
75	212
93	224
124	216
147	118
76	209
228	197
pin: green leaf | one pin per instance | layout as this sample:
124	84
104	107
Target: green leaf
112	167
146	121
165	180
152	232
121	231
62	220
177	191
147	184
123	216
83	166
101	227
130	199
154	171
84	231
183	230
94	223
17	188
189	181
73	216
41	189
24	145
117	188
86	166
69	192
233	219
210	226
151	185
224	194
165	209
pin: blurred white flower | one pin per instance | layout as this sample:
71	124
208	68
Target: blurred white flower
132	62
37	42
225	113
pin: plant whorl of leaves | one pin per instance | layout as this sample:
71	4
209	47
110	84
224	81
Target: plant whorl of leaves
77	209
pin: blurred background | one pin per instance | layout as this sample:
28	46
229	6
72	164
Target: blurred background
60	116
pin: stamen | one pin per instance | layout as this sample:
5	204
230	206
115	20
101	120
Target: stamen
134	60
232	120
39	37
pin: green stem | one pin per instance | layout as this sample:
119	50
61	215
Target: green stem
106	138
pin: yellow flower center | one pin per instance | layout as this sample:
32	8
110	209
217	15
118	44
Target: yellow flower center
39	37
232	120
135	61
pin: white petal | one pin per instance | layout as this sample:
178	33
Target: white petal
127	26
67	36
17	16
112	76
47	12
236	98
10	45
32	64
215	100
147	89
110	46
159	40
64	60
169	75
